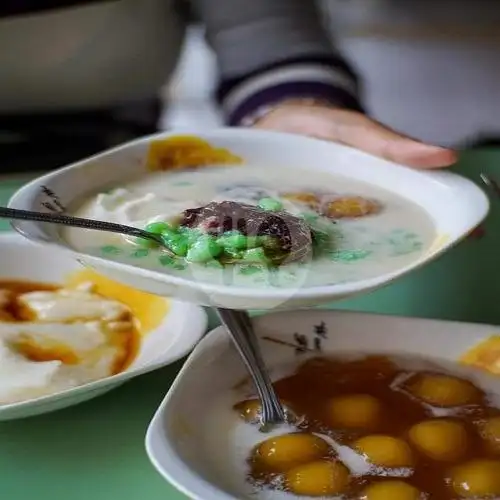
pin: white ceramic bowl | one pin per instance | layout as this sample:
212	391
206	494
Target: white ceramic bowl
175	435
455	204
181	329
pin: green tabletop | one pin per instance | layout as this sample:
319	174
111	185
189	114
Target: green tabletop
95	450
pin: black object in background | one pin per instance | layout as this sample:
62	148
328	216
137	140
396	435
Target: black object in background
46	141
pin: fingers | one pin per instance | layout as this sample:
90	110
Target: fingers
357	130
361	132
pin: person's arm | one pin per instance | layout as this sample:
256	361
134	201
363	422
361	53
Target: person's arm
270	51
279	71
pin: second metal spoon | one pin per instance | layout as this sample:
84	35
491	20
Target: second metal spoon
240	329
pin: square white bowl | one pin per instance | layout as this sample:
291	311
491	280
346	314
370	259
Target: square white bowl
174	440
455	205
182	327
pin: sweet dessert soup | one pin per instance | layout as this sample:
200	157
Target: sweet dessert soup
54	338
362	428
225	222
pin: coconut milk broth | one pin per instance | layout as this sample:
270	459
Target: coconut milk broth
364	248
228	440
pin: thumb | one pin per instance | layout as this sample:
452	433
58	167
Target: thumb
359	131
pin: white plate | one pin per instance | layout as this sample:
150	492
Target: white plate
174	437
455	204
183	326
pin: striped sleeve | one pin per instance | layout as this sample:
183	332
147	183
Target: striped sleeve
269	51
328	80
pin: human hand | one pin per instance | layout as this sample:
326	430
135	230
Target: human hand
357	130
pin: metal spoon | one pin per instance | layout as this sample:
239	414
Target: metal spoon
67	220
239	326
237	323
491	184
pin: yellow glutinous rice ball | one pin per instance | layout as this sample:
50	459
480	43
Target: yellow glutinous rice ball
318	479
281	453
490	432
385	451
391	490
440	439
356	411
477	479
443	390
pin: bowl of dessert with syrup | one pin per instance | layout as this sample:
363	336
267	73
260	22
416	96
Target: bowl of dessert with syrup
68	334
378	407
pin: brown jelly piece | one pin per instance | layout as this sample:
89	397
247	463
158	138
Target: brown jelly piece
216	218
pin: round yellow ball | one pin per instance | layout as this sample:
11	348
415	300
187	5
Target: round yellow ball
444	390
318	479
281	453
477	478
249	410
385	451
356	411
440	439
391	489
490	432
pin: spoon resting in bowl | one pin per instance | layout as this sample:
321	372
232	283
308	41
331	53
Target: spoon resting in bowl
67	220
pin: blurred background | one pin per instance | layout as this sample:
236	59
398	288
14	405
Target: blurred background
431	68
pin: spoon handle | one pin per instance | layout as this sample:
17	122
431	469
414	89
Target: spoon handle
67	220
239	327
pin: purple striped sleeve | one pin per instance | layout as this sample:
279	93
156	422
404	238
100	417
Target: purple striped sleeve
246	98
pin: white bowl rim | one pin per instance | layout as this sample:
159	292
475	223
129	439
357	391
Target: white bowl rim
192	336
305	294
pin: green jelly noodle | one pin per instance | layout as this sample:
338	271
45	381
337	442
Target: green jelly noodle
256	255
349	255
167	261
234	254
111	250
233	240
177	243
196	246
270	204
250	269
204	249
158	227
192	235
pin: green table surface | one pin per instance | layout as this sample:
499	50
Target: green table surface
96	450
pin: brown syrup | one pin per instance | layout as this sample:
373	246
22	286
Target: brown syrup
309	392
